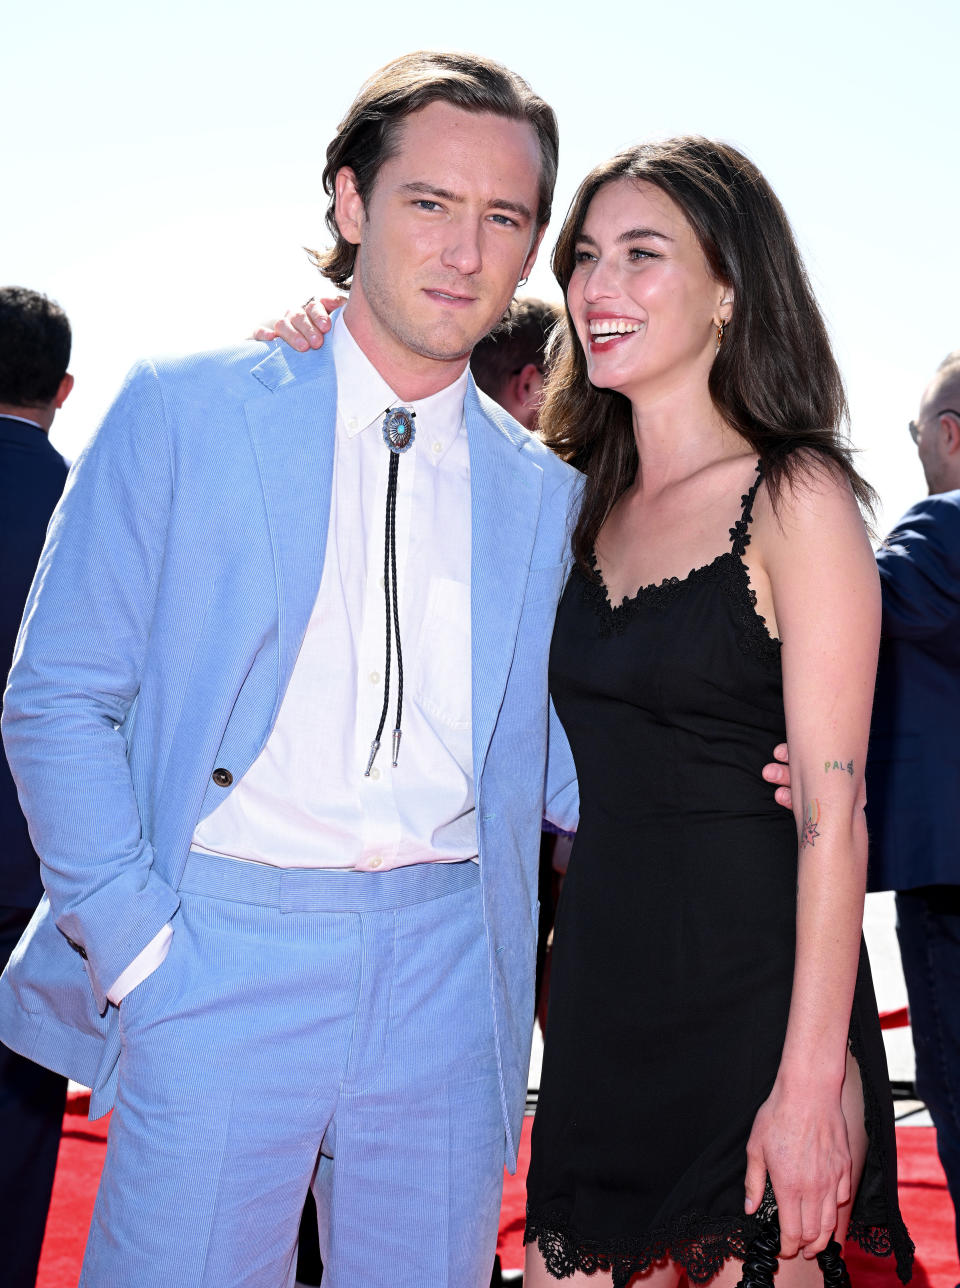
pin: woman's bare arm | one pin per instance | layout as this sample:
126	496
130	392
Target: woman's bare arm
826	598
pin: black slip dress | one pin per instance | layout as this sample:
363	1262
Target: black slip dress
674	941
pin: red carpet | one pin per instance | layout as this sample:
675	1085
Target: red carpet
923	1195
74	1187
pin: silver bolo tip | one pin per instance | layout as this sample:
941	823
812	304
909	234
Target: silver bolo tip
374	748
396	746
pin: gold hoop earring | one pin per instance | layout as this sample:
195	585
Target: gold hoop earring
720	330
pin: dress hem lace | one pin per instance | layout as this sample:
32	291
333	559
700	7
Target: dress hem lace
698	1244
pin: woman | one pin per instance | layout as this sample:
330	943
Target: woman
714	1084
713	1061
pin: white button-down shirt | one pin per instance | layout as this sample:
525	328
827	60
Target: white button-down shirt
305	801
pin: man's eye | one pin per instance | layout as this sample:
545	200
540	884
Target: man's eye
424	203
504	220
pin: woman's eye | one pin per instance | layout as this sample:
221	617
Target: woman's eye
639	253
582	256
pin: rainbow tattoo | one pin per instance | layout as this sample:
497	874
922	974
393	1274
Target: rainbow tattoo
809	830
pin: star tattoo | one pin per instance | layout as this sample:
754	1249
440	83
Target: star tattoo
809	830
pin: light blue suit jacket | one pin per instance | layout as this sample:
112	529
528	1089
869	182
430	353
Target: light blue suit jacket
163	625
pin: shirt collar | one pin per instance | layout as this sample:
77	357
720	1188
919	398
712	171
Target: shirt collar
363	395
5	415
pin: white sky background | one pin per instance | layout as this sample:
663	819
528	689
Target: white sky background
161	163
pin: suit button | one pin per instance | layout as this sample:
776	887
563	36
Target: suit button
222	777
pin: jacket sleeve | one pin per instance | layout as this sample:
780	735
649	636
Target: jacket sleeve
920	571
76	675
562	795
562	807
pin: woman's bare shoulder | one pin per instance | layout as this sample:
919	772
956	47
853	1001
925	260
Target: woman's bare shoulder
814	500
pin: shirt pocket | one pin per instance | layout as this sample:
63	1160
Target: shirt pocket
442	686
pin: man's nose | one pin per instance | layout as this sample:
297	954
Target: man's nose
462	251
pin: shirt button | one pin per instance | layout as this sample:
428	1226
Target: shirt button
352	423
383	584
222	777
376	861
374	773
437	448
374	677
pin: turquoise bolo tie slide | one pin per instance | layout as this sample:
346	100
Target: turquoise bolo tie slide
398	429
398	434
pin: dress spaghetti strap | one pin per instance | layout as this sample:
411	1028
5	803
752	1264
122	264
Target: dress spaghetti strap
739	533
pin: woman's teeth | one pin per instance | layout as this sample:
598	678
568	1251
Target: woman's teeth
602	330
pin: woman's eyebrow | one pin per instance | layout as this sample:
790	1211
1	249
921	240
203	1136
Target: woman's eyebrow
632	234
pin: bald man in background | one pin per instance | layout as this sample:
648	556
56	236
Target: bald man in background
913	769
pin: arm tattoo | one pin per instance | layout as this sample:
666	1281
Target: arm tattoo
809	830
828	765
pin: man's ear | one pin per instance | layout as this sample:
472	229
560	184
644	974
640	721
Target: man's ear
949	426
63	391
349	209
523	394
528	385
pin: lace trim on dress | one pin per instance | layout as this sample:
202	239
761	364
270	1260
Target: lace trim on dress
739	534
727	569
699	1244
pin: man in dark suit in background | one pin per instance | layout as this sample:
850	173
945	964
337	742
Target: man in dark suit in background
34	353
913	769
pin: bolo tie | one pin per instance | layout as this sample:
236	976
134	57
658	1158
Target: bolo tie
398	434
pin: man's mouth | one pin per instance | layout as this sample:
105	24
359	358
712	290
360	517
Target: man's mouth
448	297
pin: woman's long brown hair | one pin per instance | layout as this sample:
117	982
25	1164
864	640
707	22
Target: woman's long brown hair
774	380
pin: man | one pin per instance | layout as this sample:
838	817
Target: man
34	384
913	770
509	364
266	939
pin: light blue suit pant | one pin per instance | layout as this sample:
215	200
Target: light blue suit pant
325	1028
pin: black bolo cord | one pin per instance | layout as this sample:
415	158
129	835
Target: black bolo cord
392	510
398	434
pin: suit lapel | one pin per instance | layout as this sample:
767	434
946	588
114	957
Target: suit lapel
505	499
292	424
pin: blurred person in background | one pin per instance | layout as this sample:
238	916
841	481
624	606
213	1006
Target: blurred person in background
510	363
34	384
913	767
